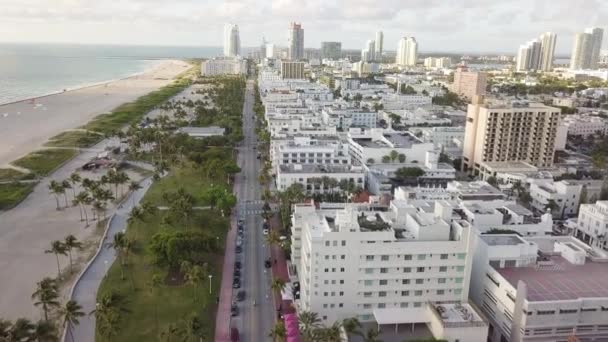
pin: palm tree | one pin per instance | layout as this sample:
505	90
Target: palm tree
82	198
75	180
402	158
70	314
194	277
277	284
352	326
65	184
5	328
118	243
70	242
43	331
21	330
194	329
278	333
273	238
121	179
308	322
372	336
332	333
46	295
107	313
57	247
137	214
394	155
55	189
134	186
551	206
149	209
386	159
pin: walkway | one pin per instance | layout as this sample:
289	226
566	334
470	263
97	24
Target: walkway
85	288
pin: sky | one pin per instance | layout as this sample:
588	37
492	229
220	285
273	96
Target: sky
474	26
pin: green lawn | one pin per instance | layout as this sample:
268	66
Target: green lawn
44	162
168	304
74	139
13	193
133	112
191	179
12	175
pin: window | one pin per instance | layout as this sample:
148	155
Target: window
421	256
461	256
403	305
326	243
384	270
366	294
407	257
405	281
440	292
341	305
460	268
381	305
382	294
417	304
325	281
326	270
443	269
324	294
367	306
418	293
458	291
420	269
341	293
342	256
369	258
383	282
458	280
405	293
324	306
341	281
419	281
407	269
341	269
343	243
369	270
368	282
384	258
444	256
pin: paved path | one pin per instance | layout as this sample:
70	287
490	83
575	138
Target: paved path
253	322
85	290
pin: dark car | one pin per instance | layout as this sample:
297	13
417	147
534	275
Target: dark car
238	249
234	310
237	272
267	263
234	335
236	284
240	296
237	265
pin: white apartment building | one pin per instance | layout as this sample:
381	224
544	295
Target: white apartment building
388	266
307	174
394	101
547	289
224	66
415	117
307	150
369	146
367	90
592	224
565	194
585	125
344	118
407	52
505	215
347	83
439	63
509	132
443	136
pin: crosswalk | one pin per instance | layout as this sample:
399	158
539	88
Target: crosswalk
251	212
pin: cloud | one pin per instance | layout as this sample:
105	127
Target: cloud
464	25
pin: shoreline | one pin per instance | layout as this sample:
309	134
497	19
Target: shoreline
158	63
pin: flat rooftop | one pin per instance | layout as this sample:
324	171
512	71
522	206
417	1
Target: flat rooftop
401	139
519	209
558	279
315	168
502	240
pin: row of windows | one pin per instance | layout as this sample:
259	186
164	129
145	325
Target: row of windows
406	293
383	305
385	257
418	281
441	269
312	161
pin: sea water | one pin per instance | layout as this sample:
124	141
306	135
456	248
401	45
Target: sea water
32	70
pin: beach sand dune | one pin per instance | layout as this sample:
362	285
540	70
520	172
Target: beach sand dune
27	125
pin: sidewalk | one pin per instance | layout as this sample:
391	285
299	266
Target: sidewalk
279	270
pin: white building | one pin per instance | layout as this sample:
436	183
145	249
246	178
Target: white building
443	136
586	49
407	52
592	224
369	53
564	194
232	41
373	144
344	118
394	101
537	54
379	45
308	174
505	215
585	125
389	267
224	66
543	289
438	63
308	150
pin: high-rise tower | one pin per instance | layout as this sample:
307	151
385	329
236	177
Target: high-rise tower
295	41
232	41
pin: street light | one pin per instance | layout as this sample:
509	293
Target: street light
210	276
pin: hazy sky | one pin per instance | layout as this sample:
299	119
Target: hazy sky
438	25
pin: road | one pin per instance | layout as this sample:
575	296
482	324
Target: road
253	322
85	290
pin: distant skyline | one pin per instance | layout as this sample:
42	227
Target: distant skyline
472	26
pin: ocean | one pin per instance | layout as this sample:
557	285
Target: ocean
31	70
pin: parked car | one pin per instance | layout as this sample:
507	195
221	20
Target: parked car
239	249
237	273
267	263
234	310
239	242
237	265
265	231
240	296
236	285
234	335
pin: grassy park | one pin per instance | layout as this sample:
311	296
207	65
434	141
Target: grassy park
44	162
12	194
78	139
9	175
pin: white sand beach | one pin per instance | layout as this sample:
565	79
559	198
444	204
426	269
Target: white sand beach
27	125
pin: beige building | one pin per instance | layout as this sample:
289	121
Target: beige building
469	83
292	70
509	132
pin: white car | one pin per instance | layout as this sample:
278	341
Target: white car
265	231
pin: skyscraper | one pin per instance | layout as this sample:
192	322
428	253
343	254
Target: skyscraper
368	54
295	41
232	41
379	45
331	50
586	49
407	52
537	54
